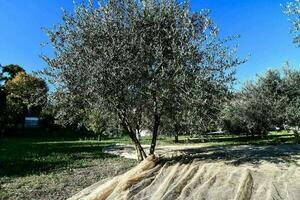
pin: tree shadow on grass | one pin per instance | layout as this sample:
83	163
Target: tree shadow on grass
31	158
240	154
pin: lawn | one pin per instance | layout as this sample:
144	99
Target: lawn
57	168
273	138
54	168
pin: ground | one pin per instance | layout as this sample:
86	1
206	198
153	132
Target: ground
54	168
57	168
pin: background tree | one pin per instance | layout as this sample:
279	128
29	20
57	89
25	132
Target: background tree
249	112
100	121
31	90
2	101
9	72
11	110
14	112
291	85
132	56
270	102
270	85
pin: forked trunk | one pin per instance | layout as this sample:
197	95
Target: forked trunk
141	155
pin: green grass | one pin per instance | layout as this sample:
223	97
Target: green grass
273	138
21	156
162	140
40	168
55	168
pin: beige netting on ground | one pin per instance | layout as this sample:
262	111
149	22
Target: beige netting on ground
200	180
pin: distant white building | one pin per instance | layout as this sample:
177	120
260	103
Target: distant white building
31	122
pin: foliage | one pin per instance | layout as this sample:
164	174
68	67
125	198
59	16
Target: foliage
31	90
9	72
272	101
133	57
232	119
292	9
248	113
2	106
270	85
47	116
14	112
100	121
9	113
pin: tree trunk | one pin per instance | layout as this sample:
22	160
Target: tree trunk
176	134
141	155
100	137
138	134
176	138
154	134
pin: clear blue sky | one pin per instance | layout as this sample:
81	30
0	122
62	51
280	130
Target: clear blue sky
264	31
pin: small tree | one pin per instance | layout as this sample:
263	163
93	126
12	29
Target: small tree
233	117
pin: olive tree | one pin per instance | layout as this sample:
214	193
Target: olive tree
291	85
248	112
134	57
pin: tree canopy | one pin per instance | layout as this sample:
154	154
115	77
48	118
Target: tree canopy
270	102
32	91
140	60
292	9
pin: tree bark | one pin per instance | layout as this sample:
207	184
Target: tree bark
141	155
154	134
176	134
138	134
